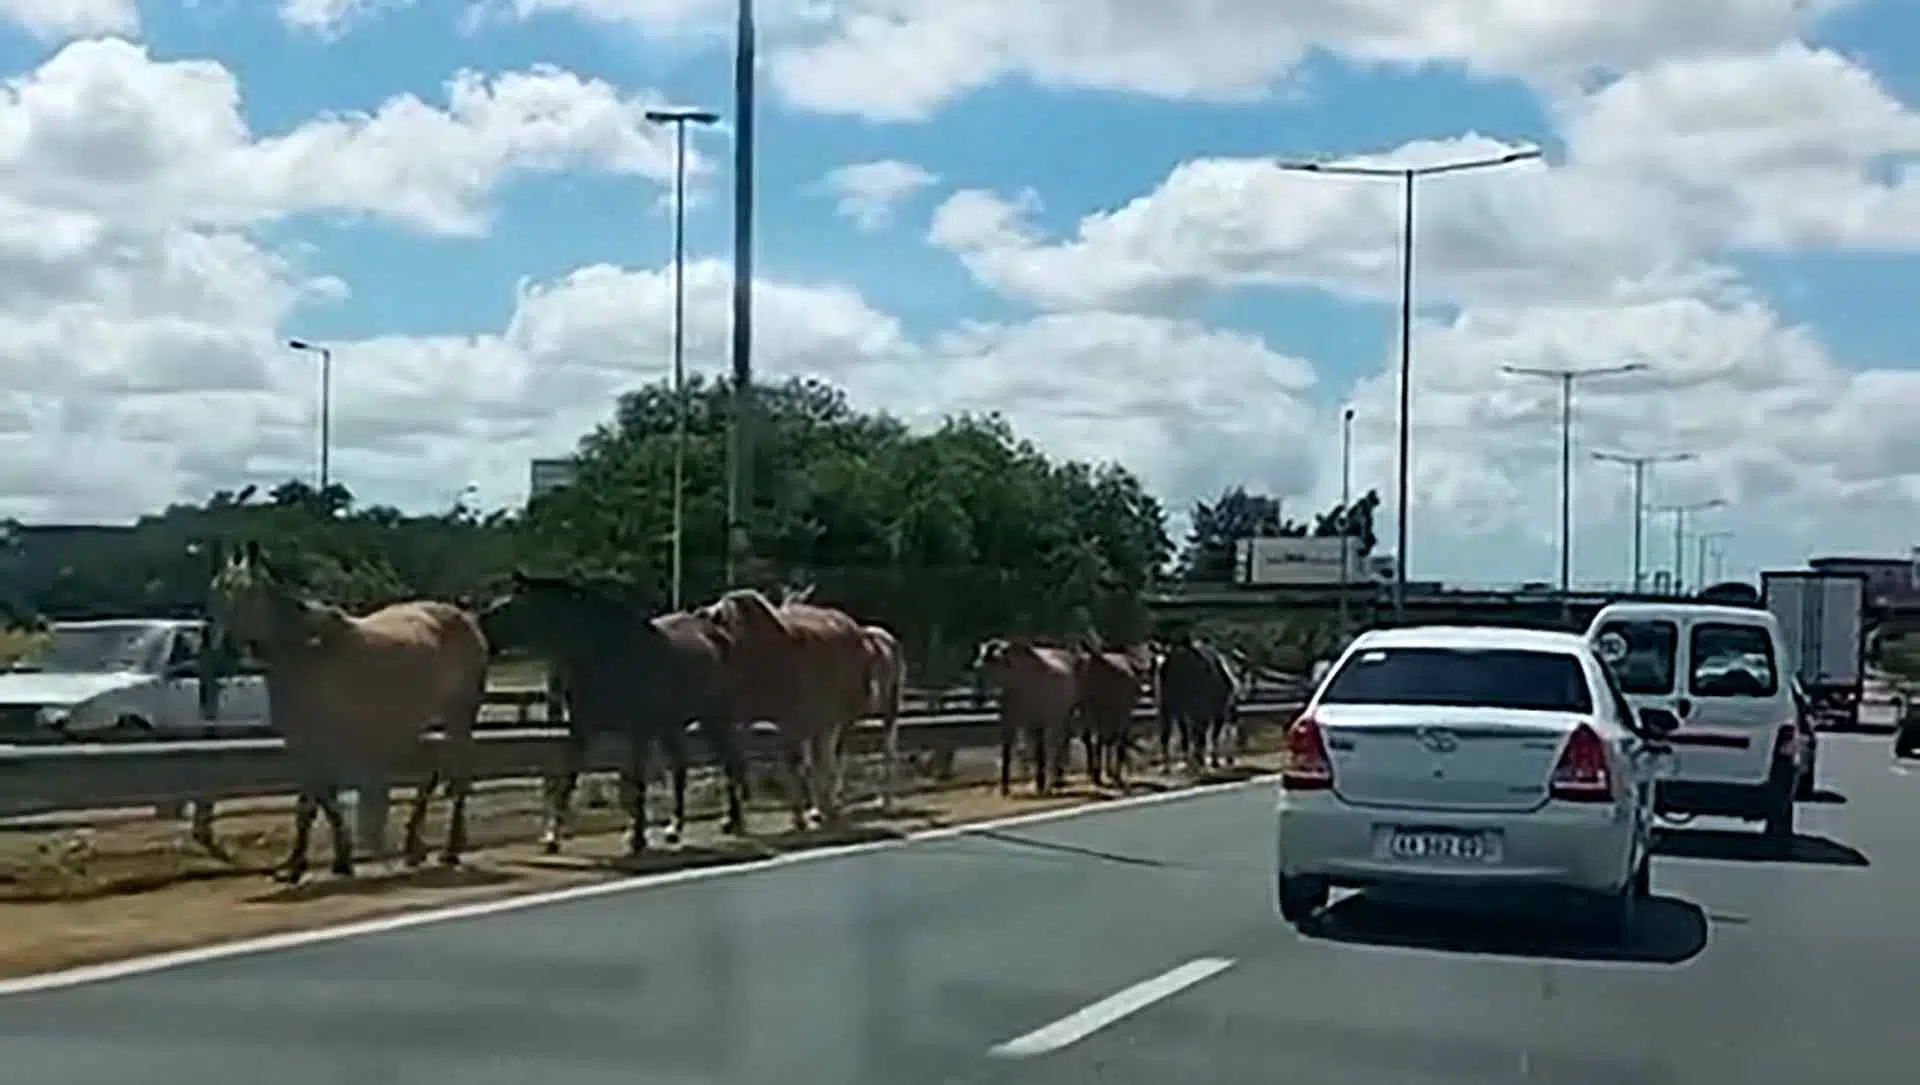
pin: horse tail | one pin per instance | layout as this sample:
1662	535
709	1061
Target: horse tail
886	682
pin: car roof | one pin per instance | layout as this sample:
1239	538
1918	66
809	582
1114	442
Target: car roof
1718	612
1473	636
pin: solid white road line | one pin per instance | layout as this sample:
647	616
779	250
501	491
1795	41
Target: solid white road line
134	966
1078	1026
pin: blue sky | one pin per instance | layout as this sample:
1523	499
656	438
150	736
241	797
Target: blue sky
1697	212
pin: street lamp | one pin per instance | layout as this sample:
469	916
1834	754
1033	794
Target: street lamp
1346	513
326	404
1680	535
1567	377
1640	465
1407	176
680	118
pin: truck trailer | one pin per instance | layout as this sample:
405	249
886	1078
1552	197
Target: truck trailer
1823	616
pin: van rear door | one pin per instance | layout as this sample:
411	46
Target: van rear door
1737	703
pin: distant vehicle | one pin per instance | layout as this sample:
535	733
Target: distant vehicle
1470	758
1737	750
1823	624
122	678
1806	785
1731	592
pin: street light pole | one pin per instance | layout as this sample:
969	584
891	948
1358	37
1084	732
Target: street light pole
326	406
1567	378
1407	176
740	443
1346	513
1640	464
680	118
1680	536
1708	540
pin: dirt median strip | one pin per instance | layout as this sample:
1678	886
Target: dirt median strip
75	897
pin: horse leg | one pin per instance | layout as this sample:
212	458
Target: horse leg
723	741
413	849
329	802
799	792
1090	738
304	809
1006	756
821	747
674	741
559	791
633	793
1037	741
1166	740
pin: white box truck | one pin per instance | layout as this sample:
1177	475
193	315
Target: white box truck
1823	616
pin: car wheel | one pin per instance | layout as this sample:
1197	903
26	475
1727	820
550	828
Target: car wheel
1808	786
1610	915
1906	741
1642	885
132	729
1300	898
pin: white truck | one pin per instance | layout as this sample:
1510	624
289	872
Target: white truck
124	678
1823	619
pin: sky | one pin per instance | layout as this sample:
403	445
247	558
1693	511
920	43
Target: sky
1074	212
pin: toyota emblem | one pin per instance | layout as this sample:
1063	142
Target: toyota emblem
1437	740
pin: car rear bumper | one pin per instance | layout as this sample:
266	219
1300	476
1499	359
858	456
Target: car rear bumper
1557	846
1714	799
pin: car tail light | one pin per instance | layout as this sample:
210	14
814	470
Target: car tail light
1308	766
1583	774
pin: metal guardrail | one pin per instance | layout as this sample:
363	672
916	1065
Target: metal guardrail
51	779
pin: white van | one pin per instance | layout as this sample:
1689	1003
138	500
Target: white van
1722	672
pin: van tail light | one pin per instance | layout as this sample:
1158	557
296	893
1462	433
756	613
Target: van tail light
1308	766
1786	741
1583	774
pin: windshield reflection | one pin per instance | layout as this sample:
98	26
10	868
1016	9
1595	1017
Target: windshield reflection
94	649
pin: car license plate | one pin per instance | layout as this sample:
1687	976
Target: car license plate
1424	844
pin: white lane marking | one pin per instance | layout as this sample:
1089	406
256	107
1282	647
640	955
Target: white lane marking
135	966
1083	1023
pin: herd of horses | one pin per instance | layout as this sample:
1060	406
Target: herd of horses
353	696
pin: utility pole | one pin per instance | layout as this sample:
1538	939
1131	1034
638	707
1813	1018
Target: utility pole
1708	541
1567	378
326	406
1346	514
1640	464
1680	537
740	447
680	118
1408	178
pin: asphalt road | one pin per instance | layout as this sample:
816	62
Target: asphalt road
1015	958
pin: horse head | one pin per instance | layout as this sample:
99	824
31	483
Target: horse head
558	615
741	613
250	604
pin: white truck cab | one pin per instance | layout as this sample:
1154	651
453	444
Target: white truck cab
123	677
1725	675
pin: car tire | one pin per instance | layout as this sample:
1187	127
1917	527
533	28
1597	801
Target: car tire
1807	787
1779	822
1300	899
132	729
1906	740
1642	884
1609	916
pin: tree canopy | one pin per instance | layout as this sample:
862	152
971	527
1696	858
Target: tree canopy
1237	514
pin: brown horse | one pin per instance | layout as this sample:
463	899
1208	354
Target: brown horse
353	697
805	668
645	679
1198	692
1110	683
886	680
1038	689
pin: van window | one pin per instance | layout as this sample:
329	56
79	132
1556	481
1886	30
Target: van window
1640	654
1732	661
1476	678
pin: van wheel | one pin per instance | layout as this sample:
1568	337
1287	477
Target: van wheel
1807	787
1301	898
1779	827
1610	915
1642	885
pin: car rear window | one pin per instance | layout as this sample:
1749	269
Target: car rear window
1640	654
1731	660
1462	677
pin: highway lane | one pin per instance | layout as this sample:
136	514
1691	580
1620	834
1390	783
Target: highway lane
913	963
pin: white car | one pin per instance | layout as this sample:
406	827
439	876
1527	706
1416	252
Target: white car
1469	758
128	678
1719	671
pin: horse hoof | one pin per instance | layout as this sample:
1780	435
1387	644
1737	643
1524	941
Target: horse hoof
414	860
733	827
342	870
449	859
288	876
671	837
550	846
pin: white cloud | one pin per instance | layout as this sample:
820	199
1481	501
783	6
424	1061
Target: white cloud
71	18
868	192
903	59
333	18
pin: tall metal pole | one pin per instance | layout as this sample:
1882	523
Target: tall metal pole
1346	513
1680	536
1403	472
326	405
740	447
680	118
1640	464
1567	377
1407	178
